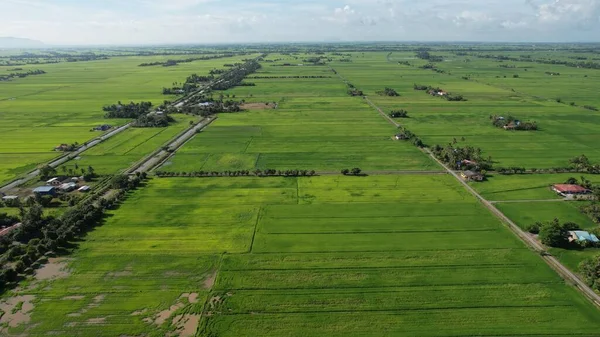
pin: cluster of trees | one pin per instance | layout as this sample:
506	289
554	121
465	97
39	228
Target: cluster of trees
425	55
399	113
21	75
8	220
592	210
153	121
354	172
40	235
317	60
511	123
555	234
590	270
388	92
551	73
582	164
353	91
190	85
131	110
240	173
590	107
170	63
215	107
405	134
247	84
67	147
235	75
458	156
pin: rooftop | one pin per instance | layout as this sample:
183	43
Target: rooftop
44	189
569	188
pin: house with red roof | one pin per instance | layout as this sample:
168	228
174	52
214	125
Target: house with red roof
570	189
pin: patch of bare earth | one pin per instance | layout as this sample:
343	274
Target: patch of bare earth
94	321
210	281
55	268
258	106
164	315
17	311
186	325
74	298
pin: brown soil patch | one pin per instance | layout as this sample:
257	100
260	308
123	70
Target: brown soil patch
139	312
55	268
13	317
99	320
186	325
77	297
165	314
193	298
258	106
210	281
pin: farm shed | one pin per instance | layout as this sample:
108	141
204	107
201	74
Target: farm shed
582	236
53	182
84	189
45	190
68	187
472	176
569	189
10	198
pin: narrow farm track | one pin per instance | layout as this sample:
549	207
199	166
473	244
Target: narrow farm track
525	201
531	242
160	156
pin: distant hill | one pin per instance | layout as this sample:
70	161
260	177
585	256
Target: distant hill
15	42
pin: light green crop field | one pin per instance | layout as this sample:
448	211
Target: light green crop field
63	105
565	131
353	256
125	149
315	127
388	254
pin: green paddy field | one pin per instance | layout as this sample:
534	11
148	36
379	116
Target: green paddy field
392	253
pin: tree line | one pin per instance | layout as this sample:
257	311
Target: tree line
512	123
171	63
240	173
235	75
388	92
21	74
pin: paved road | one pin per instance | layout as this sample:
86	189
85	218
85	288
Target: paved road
159	157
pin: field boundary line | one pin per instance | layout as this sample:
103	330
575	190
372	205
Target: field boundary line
258	215
204	319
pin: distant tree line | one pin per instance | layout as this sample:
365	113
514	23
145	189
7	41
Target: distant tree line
352	172
240	173
528	58
131	110
286	77
235	75
425	55
21	74
171	63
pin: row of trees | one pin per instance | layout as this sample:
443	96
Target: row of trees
240	173
170	63
354	172
286	77
425	55
47	172
405	134
235	75
10	76
353	91
40	235
131	110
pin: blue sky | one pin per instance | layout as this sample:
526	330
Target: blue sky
228	21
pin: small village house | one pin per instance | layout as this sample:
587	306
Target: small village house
84	189
472	176
582	236
570	189
68	187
